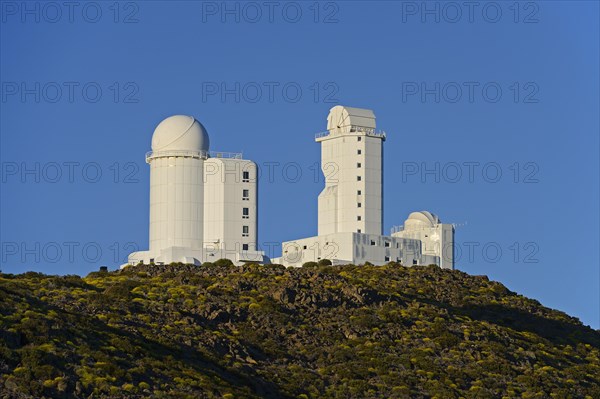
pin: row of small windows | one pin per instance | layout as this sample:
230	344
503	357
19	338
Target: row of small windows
386	244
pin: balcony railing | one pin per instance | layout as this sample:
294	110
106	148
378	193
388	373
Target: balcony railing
221	154
176	153
193	154
353	129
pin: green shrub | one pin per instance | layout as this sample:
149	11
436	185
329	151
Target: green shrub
224	263
310	265
324	262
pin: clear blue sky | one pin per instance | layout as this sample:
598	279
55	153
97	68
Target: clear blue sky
541	133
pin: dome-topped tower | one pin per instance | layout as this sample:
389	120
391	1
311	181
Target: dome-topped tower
180	133
420	220
179	148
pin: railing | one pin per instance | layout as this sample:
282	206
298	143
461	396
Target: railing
220	154
396	229
176	153
193	154
353	129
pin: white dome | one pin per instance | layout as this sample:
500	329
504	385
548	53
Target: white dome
342	118
180	133
421	219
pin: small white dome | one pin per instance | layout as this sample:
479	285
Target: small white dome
421	219
180	133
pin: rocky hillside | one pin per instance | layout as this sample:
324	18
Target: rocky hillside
218	331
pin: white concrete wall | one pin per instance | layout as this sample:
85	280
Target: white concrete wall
224	203
438	242
346	156
176	202
354	248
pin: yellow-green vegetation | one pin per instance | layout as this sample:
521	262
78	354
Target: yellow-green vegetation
217	331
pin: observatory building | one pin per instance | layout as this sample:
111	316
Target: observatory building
202	204
350	207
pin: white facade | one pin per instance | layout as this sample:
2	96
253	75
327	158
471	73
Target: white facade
351	161
230	209
356	248
437	238
197	201
350	215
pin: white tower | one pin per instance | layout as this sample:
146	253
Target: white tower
351	160
230	208
201	209
179	147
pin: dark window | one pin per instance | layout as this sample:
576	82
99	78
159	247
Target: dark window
358	178
414	261
359	138
359	218
304	247
358	231
246	177
387	244
359	165
246	195
245	213
359	192
387	258
372	242
244	247
245	231
359	152
359	205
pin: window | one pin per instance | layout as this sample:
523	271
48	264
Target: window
359	192
359	165
414	261
245	177
359	152
359	218
372	242
359	138
358	231
245	213
304	247
246	195
359	205
245	231
387	258
386	244
358	178
244	247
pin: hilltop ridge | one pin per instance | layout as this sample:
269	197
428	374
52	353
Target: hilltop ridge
219	331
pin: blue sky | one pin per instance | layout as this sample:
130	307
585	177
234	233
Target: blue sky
491	114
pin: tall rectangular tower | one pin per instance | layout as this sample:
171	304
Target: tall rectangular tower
230	205
351	161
